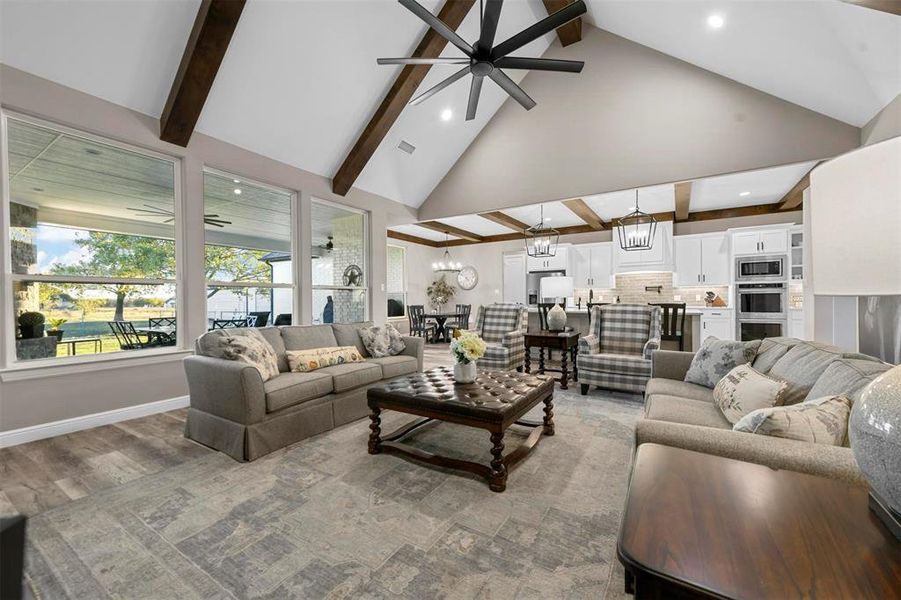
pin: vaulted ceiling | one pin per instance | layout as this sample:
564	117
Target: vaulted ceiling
299	80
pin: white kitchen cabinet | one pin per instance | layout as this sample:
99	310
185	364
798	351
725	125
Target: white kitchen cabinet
717	323
514	273
701	260
580	265
590	265
549	263
796	324
764	241
602	265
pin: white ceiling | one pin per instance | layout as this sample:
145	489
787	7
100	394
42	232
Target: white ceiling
476	224
555	214
832	57
766	186
421	232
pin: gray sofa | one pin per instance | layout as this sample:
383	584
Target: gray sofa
234	411
683	415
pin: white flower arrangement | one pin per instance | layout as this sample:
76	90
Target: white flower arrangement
467	347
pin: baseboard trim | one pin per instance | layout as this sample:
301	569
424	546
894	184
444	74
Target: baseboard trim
15	437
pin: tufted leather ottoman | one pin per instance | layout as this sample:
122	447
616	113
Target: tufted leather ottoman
494	401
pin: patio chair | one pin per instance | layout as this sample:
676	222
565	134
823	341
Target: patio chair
128	338
227	323
161	322
258	319
503	327
617	352
283	319
419	327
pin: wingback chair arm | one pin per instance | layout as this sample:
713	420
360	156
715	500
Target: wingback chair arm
649	347
589	344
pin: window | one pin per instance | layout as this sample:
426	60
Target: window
340	265
249	267
91	241
396	286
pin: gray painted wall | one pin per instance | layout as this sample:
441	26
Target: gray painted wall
633	117
886	124
115	385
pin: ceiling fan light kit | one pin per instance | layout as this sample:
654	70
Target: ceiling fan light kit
636	230
485	59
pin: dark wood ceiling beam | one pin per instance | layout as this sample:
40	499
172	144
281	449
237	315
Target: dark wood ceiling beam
892	7
683	200
732	213
450	229
572	31
213	29
412	239
795	196
504	220
579	208
400	93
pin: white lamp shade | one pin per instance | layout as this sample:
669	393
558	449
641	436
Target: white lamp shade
556	287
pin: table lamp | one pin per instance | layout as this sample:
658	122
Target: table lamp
556	287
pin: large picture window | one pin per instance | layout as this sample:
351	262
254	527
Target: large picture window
340	264
249	268
396	286
91	239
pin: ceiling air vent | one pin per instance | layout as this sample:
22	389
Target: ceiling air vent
406	147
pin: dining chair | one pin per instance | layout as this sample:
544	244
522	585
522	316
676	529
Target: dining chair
590	304
461	320
418	325
673	322
282	319
227	323
258	319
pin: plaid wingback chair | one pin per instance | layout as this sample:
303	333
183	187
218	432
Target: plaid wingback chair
617	352
503	327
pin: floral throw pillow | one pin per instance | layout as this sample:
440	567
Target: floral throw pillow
382	341
304	361
820	421
744	389
716	358
248	346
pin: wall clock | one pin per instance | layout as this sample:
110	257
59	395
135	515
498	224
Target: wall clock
468	277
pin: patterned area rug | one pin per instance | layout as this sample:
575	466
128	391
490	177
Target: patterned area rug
323	519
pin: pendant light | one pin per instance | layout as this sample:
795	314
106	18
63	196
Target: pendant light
446	265
541	241
636	230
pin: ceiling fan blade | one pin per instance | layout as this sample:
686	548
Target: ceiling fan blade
475	90
515	92
438	25
423	61
490	18
435	89
546	25
540	64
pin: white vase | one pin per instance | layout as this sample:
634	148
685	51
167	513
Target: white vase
556	318
465	373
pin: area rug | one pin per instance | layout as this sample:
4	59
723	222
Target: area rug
324	519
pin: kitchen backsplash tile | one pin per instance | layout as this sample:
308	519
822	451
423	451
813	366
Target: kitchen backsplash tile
631	288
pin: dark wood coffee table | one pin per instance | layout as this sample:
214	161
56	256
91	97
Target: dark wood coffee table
567	342
703	526
494	401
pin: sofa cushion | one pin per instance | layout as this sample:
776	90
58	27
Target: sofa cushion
245	345
682	410
744	389
716	358
847	376
273	335
496	352
680	389
771	350
347	335
305	337
626	364
393	366
289	389
819	421
382	341
302	361
801	366
352	375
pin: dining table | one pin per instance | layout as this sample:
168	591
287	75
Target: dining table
162	333
440	319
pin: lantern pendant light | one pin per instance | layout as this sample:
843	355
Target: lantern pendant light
636	230
446	265
541	241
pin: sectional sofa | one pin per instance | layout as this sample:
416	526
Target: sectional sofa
234	411
682	414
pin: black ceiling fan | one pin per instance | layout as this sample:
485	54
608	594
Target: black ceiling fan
154	211
484	59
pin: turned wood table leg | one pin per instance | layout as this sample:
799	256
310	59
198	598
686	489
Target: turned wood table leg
497	479
541	360
575	361
375	440
564	373
549	415
528	360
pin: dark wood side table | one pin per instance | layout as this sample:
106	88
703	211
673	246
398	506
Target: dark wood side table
565	341
703	526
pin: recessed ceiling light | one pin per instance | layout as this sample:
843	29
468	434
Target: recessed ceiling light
744	194
236	180
237	191
447	114
547	218
715	21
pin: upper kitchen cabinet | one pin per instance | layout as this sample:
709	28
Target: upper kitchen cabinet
701	260
760	241
658	258
558	262
591	265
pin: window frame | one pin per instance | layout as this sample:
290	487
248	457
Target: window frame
294	207
405	291
367	255
8	359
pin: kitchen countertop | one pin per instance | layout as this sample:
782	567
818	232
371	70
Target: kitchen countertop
690	311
